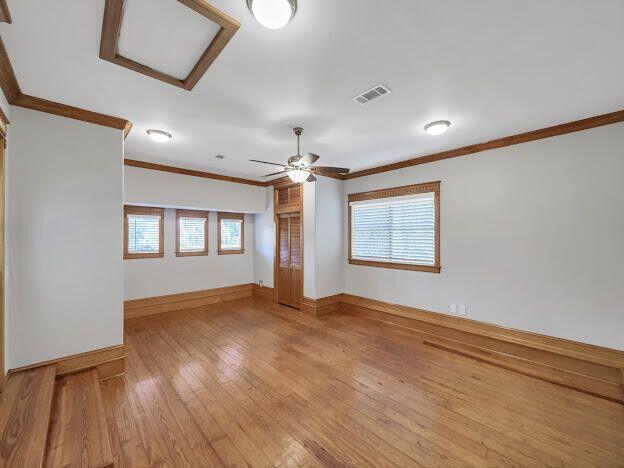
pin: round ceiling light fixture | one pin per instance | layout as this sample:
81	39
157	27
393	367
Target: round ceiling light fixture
272	14
159	136
438	127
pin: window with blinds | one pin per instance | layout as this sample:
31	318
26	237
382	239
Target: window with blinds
144	236
191	233
396	231
231	233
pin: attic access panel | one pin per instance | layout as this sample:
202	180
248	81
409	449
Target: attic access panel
218	30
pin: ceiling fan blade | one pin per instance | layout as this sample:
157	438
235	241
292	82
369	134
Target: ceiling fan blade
267	162
311	178
274	173
330	170
309	158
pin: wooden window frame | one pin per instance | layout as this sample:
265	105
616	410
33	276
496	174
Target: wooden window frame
429	187
239	216
191	214
143	210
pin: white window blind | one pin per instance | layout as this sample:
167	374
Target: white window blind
398	229
192	234
143	233
231	234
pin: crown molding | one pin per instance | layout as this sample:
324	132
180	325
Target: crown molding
51	107
8	81
191	172
562	129
5	15
15	97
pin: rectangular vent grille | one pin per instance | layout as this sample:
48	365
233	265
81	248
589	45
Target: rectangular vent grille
370	95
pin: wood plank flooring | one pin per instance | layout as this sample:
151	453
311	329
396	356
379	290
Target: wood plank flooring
78	433
25	416
246	383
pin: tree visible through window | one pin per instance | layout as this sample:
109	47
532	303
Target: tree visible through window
143	233
143	237
231	233
191	233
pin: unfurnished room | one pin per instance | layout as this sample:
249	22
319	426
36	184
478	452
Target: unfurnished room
307	233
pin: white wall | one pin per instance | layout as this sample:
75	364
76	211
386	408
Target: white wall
64	237
264	234
171	275
532	237
329	254
149	277
309	240
157	188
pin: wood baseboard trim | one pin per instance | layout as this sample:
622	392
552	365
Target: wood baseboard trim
574	349
587	368
109	362
159	304
263	292
321	306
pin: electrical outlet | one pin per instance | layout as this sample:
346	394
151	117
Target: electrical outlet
453	309
462	310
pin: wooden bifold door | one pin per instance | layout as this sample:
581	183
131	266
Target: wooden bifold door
290	279
289	245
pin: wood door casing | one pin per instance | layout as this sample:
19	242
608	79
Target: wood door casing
2	227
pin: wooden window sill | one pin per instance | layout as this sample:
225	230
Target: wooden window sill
131	256
397	266
192	254
231	252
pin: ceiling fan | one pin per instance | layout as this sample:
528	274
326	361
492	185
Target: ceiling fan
300	169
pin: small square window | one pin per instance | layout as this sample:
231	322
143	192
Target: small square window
231	233
191	233
143	233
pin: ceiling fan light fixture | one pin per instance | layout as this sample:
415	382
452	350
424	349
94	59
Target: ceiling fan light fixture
438	127
159	136
272	14
298	175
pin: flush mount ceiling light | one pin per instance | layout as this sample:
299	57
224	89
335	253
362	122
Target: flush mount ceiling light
159	136
438	127
272	14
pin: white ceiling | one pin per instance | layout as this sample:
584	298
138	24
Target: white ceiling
492	67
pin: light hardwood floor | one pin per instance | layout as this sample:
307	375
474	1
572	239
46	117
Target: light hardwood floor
246	383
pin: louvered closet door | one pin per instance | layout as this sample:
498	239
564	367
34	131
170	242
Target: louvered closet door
290	287
284	261
296	272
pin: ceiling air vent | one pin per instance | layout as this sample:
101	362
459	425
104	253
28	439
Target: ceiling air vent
374	93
